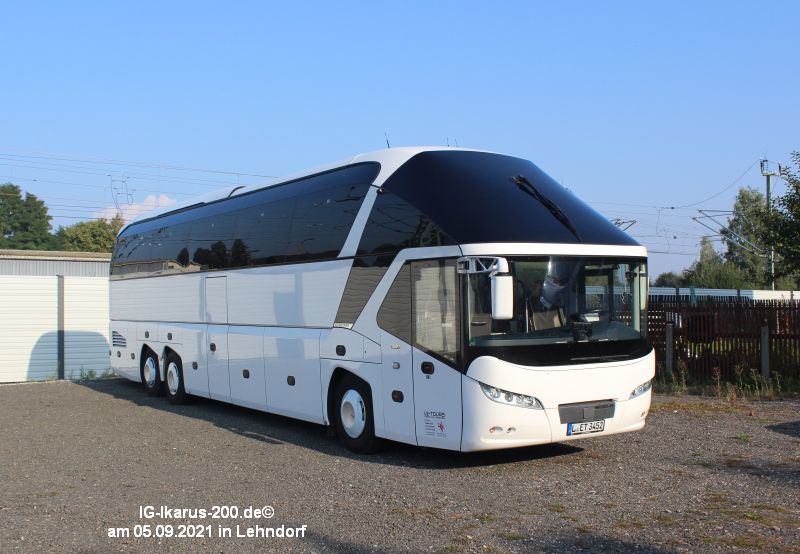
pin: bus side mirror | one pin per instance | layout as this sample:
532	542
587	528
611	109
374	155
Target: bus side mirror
500	278
502	296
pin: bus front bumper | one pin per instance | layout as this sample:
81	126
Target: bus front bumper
490	425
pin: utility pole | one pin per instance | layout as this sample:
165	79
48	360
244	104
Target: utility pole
768	172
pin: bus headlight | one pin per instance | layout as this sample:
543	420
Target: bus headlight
640	390
510	398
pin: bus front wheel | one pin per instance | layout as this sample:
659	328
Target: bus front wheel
355	425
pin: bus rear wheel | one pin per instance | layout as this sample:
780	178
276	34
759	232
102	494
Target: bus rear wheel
151	375
355	425
176	393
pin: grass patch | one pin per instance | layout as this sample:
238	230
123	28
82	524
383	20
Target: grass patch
743	515
665	519
742	541
414	513
695	406
512	536
743	437
558	508
631	524
746	383
486	518
717	497
737	462
776	509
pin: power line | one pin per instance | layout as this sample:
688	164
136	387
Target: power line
672	253
137	164
129	174
105	187
739	178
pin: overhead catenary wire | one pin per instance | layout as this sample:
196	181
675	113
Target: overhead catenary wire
127	174
735	181
151	165
105	187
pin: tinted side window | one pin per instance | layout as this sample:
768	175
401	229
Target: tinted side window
321	222
133	254
395	224
212	240
395	314
262	233
304	220
176	245
152	247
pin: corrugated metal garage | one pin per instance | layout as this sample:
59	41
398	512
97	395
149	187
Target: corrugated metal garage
54	308
46	263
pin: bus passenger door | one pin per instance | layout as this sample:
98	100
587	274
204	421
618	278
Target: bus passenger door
436	328
217	318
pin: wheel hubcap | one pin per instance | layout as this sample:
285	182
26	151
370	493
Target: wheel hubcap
150	372
353	413
173	380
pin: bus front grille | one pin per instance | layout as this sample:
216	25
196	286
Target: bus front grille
586	411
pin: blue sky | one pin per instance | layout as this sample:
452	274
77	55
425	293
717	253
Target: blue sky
635	106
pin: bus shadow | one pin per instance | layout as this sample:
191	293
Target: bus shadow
791	428
273	429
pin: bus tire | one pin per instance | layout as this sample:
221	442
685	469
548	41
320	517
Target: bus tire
173	380
151	374
355	424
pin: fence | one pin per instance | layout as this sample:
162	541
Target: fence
722	335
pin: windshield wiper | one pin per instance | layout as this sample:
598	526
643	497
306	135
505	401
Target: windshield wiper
527	187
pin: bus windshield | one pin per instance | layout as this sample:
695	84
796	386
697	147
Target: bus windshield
588	305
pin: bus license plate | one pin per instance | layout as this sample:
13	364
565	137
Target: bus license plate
585	427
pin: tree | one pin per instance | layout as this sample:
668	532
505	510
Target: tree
783	225
669	279
24	222
91	236
748	221
712	271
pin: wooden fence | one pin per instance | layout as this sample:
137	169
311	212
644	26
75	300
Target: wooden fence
710	335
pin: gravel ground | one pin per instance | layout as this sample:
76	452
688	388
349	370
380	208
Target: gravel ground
79	458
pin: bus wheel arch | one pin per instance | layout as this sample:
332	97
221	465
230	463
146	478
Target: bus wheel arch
351	413
150	371
174	384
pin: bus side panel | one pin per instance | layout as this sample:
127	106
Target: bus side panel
297	295
124	352
192	351
292	367
167	298
219	385
248	387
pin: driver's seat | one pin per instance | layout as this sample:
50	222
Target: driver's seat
547	319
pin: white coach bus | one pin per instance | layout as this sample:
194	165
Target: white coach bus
433	296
